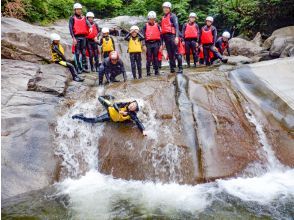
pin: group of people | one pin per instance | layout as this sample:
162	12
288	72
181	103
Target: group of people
202	44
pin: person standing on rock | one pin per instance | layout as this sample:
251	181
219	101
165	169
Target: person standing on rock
57	53
135	49
117	111
111	67
79	28
191	38
208	37
170	33
106	42
153	42
92	43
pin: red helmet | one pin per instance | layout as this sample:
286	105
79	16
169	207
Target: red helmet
113	55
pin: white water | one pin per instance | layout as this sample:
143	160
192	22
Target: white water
97	196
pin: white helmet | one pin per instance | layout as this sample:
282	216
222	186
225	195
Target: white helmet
192	14
209	18
77	6
134	28
151	15
90	14
167	4
226	34
105	30
54	37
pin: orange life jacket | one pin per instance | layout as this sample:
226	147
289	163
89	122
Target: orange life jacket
152	32
206	36
80	26
166	25
191	31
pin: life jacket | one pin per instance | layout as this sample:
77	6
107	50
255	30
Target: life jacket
116	116
152	32
135	45
94	32
225	45
166	25
191	31
55	56
80	26
107	45
206	36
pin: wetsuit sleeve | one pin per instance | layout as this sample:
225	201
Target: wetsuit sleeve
144	35
97	26
56	50
100	42
198	31
88	23
228	49
141	37
128	37
134	117
123	71
113	43
214	33
183	30
71	24
161	38
174	21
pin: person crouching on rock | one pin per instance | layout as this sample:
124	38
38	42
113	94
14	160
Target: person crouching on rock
207	40
111	67
57	53
135	49
117	111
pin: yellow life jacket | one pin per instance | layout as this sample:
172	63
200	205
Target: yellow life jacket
116	116
135	45
107	45
55	56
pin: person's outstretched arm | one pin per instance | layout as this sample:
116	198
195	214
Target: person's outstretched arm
137	121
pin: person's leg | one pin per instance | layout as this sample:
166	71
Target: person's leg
101	118
155	58
104	101
206	55
72	70
172	49
194	52
133	64
105	55
139	64
149	58
217	54
187	51
96	55
179	58
77	55
91	54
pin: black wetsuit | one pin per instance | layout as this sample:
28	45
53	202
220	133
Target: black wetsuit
171	47
111	70
152	47
136	58
190	44
93	52
107	101
81	45
210	47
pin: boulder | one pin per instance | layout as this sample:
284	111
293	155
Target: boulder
243	47
257	39
236	60
28	161
23	41
51	79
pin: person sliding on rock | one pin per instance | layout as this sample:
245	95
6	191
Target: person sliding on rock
135	49
191	37
106	42
57	53
92	41
111	67
207	40
170	33
79	28
117	111
153	42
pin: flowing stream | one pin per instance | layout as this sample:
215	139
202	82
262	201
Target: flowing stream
266	191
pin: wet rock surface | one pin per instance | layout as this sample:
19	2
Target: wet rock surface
244	47
28	161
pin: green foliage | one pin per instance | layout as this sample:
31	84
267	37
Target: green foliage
102	8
